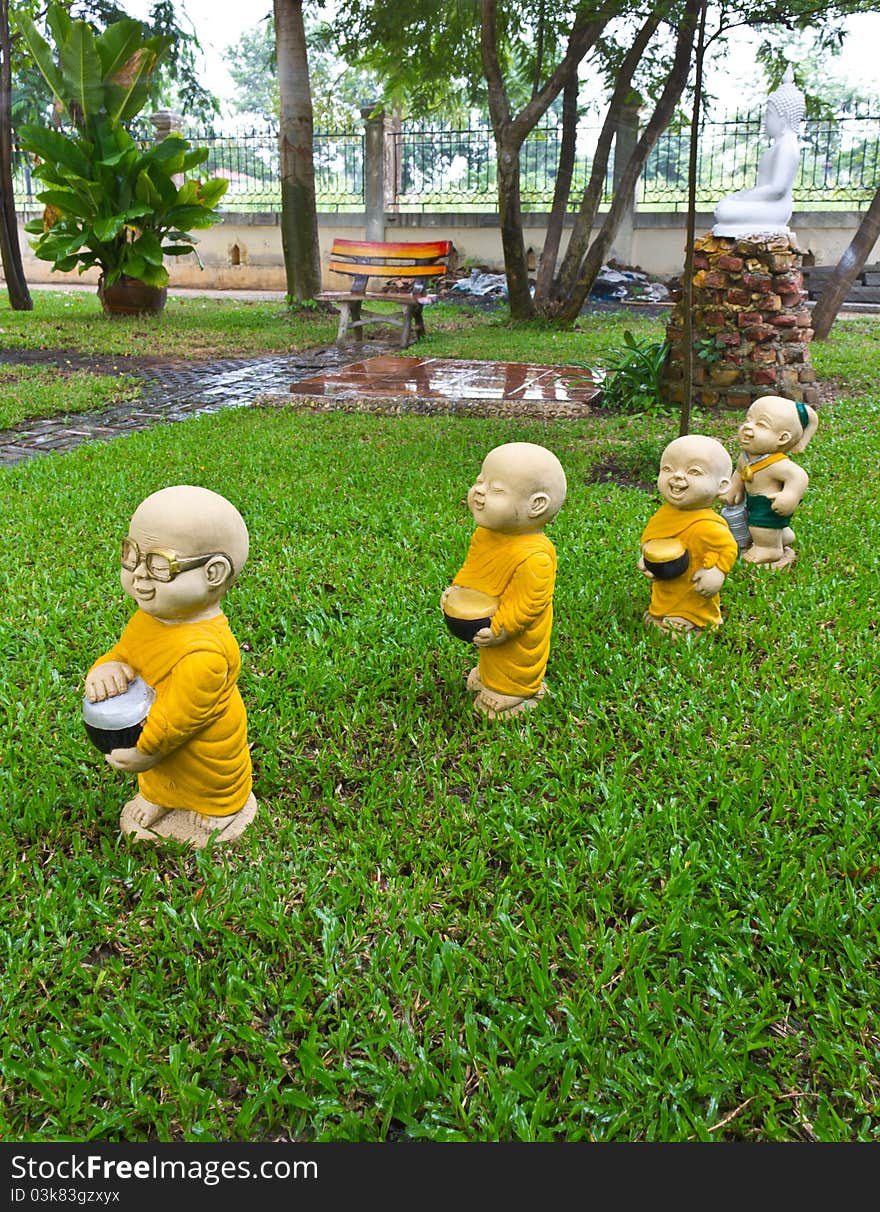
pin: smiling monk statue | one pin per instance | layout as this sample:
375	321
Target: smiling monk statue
519	490
184	548
687	549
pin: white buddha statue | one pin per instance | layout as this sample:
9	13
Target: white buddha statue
766	209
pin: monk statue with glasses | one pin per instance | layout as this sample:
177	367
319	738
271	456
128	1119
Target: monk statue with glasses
184	548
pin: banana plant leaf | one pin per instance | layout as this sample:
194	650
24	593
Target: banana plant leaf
81	73
68	202
41	53
117	44
54	148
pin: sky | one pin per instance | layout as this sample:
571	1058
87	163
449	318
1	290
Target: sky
218	23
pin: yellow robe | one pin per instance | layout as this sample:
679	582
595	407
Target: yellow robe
520	569
198	721
709	543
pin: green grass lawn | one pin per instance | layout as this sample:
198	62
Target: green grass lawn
43	391
646	911
200	329
189	326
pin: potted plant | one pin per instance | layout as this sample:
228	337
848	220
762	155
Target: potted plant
109	202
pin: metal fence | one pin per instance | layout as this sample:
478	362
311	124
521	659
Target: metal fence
249	161
454	170
839	170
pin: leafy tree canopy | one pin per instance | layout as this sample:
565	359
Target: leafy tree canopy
337	89
428	55
178	87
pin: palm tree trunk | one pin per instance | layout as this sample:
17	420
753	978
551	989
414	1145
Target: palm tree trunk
299	216
10	249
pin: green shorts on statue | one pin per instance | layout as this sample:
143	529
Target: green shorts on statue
761	514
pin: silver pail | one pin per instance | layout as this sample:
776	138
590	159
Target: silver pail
737	519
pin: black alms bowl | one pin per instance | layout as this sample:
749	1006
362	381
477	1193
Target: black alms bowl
116	723
666	559
466	629
467	611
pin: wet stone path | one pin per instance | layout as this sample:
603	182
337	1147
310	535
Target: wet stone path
171	391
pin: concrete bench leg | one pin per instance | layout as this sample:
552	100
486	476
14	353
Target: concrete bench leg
405	338
349	315
344	322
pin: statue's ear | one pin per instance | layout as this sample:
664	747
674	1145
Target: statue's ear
218	571
538	503
723	484
783	438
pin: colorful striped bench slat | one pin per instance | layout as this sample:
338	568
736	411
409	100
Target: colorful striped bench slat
431	250
386	269
414	260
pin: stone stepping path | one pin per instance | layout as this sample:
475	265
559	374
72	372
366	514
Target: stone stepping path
172	391
368	378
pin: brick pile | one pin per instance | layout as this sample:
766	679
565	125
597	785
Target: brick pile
750	313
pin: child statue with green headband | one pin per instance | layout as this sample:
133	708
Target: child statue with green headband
770	482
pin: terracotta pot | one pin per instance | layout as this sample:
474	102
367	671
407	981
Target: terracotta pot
130	297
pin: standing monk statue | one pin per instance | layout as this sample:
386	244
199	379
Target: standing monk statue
184	548
519	490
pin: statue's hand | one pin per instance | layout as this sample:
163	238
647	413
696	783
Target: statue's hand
784	503
444	597
107	680
707	581
643	570
486	638
132	761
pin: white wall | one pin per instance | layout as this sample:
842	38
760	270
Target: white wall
244	252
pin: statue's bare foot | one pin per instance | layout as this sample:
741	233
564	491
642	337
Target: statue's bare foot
493	704
197	828
762	555
473	680
785	561
138	818
671	624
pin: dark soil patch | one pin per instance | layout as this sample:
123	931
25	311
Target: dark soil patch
608	471
99	364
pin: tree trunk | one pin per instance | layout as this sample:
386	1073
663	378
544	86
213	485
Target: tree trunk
510	133
663	111
512	241
10	249
684	419
592	196
561	192
848	269
299	216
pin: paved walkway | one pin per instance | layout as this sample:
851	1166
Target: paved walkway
382	381
171	391
375	378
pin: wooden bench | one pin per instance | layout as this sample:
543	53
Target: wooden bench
364	259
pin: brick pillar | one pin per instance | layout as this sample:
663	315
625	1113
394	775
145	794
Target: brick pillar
750	315
166	122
